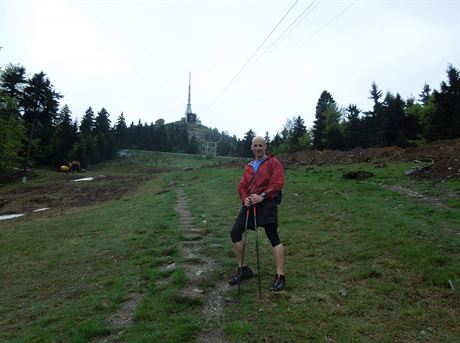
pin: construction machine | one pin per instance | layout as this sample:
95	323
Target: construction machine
71	167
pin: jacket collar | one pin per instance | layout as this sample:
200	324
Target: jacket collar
266	159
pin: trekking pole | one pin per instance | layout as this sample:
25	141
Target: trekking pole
257	251
244	245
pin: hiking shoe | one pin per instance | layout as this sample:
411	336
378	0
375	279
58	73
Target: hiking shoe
243	273
279	283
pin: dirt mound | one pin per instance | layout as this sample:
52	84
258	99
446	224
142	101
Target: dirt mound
443	157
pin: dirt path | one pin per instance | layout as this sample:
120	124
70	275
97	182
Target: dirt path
198	267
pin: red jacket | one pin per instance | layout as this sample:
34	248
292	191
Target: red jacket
269	179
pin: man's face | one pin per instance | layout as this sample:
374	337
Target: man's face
258	148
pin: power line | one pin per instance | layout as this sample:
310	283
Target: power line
296	22
322	28
254	53
293	24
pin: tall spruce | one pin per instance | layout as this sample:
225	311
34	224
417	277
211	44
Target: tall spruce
373	120
104	143
353	127
86	146
246	144
425	94
121	132
65	137
319	124
445	119
41	103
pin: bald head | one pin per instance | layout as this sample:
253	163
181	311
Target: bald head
258	139
258	148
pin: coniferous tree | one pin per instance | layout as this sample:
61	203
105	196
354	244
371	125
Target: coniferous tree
162	137
332	136
86	146
420	113
391	122
104	143
353	127
87	122
297	132
246	144
267	140
277	141
319	124
12	131
372	121
121	132
64	138
40	103
13	81
425	94
445	119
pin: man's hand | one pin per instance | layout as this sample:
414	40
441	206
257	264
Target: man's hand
256	198
248	202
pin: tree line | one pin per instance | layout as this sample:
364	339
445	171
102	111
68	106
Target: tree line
35	129
392	121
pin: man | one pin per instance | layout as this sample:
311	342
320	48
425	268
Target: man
260	186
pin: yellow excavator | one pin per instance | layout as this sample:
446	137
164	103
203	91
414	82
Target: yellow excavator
71	167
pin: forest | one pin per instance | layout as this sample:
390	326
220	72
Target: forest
36	129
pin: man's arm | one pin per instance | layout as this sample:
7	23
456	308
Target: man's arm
276	179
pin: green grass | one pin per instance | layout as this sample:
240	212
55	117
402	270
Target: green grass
393	256
64	277
362	262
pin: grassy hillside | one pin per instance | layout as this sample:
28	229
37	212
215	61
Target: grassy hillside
363	260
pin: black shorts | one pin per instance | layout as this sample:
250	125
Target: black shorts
267	217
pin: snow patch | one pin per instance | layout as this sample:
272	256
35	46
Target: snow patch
41	209
10	216
83	179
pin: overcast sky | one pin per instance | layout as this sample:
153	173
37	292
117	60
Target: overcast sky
134	56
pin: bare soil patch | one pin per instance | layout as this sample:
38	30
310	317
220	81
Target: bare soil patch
444	157
62	194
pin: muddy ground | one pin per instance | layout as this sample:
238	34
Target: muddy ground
60	192
440	159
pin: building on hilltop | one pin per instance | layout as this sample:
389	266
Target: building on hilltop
190	117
